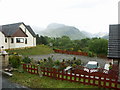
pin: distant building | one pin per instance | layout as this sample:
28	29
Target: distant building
17	35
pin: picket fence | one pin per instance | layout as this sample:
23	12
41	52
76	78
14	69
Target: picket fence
100	79
71	52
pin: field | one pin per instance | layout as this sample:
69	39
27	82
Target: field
38	50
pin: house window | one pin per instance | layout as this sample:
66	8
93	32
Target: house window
19	40
25	40
5	40
12	40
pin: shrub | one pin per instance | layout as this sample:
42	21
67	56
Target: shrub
74	65
90	54
57	62
62	65
15	61
78	62
26	60
74	58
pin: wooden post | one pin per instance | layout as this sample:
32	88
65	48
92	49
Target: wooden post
117	62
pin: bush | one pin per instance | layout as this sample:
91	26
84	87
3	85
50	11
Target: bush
57	62
26	60
90	54
78	62
15	61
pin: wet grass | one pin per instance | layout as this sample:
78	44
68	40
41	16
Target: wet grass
34	81
38	50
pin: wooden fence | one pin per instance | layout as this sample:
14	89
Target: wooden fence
71	52
100	78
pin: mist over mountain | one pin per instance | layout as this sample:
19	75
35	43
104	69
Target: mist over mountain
59	30
37	29
106	37
100	34
88	34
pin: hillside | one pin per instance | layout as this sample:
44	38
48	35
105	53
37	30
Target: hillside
106	37
58	30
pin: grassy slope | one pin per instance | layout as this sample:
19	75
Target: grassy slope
38	50
34	81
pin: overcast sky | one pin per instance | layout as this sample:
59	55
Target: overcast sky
89	15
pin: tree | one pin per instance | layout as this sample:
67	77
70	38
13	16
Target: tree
98	46
38	39
41	40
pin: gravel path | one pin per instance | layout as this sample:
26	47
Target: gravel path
70	57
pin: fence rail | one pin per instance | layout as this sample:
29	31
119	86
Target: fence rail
99	79
71	52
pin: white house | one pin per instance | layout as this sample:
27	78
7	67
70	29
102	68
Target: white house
17	35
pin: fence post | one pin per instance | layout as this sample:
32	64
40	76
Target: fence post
116	82
70	75
54	73
39	71
24	67
62	75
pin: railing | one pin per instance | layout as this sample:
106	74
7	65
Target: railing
100	78
71	52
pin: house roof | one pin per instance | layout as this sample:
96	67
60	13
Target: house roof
31	31
10	29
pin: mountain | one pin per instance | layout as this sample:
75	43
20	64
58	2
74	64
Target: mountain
58	30
88	34
106	37
37	29
100	34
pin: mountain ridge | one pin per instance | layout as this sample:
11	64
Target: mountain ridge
59	30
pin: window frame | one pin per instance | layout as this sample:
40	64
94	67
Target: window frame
19	40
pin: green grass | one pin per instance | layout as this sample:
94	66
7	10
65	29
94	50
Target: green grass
38	50
34	81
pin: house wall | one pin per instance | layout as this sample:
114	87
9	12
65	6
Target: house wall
2	40
9	44
18	45
31	41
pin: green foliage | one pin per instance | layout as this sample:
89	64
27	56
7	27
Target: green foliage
15	61
98	46
94	45
26	59
41	40
78	62
57	62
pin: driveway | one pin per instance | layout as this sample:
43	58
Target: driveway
6	85
60	57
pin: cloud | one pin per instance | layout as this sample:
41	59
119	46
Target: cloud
89	15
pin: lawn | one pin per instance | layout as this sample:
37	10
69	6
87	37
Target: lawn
34	81
38	50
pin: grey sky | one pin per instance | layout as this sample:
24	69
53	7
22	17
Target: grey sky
89	15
